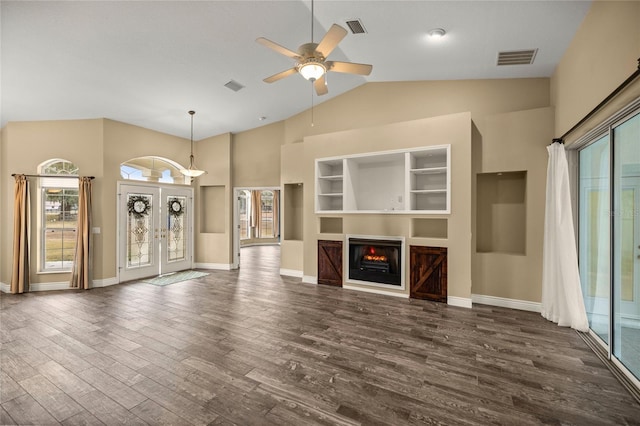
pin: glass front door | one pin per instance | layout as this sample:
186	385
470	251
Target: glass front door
155	230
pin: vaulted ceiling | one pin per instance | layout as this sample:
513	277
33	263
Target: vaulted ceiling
148	62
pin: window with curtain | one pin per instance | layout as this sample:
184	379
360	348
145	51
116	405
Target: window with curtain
266	215
58	211
244	204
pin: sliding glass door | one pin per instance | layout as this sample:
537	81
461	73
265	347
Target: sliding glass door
626	244
595	257
609	235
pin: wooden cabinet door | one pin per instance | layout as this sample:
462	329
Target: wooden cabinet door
428	276
330	262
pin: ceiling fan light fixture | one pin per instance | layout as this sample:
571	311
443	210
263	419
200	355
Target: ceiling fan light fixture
312	69
193	170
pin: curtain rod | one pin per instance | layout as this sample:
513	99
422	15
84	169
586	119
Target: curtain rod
601	104
52	176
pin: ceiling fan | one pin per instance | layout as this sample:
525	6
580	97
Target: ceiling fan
311	59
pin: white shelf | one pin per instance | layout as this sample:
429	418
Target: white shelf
403	181
429	171
428	191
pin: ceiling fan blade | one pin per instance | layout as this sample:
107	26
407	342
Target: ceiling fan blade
275	46
331	39
321	86
280	75
349	67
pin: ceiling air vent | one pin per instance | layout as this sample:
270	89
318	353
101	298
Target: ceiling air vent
517	57
356	26
234	85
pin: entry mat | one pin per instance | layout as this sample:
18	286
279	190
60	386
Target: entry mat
175	277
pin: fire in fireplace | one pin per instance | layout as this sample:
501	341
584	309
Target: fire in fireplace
375	261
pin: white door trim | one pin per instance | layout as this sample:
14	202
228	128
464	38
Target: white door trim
236	217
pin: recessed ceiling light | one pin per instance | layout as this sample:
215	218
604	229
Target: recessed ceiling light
436	33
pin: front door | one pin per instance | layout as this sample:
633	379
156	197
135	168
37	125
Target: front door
155	230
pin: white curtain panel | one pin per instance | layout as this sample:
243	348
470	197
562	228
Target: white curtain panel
562	300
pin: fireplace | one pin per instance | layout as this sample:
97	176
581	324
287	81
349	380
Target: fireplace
376	261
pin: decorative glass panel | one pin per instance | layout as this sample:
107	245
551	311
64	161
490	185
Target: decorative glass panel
176	240
139	230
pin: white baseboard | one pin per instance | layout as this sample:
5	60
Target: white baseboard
309	279
106	282
376	291
60	285
291	273
5	288
220	266
523	305
461	302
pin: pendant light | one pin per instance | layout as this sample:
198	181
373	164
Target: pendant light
193	170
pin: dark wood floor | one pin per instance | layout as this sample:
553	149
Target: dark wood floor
251	347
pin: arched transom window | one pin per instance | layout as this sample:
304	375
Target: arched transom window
153	169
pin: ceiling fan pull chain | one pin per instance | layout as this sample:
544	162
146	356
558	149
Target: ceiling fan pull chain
312	105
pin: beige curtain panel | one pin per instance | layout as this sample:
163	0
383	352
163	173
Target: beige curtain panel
81	273
21	219
256	209
276	213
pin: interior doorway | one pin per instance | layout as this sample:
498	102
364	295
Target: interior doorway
155	230
256	213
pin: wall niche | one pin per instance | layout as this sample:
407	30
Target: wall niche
501	212
429	228
293	214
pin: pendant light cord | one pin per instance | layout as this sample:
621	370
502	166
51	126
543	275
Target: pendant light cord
191	156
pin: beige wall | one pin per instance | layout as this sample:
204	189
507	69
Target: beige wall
603	54
97	147
256	156
375	104
514	142
26	146
266	157
214	249
123	142
452	129
392	104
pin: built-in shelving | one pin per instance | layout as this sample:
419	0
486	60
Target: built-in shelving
403	181
330	185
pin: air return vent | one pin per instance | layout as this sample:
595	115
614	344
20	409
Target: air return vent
234	85
517	57
356	26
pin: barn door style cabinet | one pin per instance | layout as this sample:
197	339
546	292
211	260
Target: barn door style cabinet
330	263
404	181
428	275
